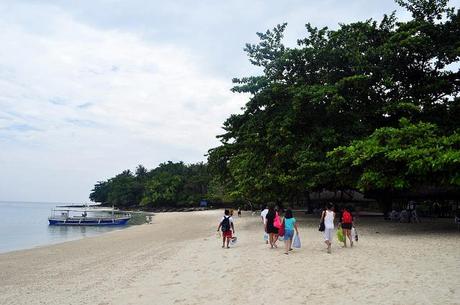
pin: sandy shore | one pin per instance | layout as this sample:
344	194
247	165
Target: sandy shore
178	260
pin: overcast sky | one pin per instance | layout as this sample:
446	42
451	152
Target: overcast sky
90	88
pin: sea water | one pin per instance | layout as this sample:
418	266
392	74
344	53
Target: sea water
24	225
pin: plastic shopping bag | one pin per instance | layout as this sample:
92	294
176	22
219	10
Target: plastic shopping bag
340	236
296	241
266	236
354	234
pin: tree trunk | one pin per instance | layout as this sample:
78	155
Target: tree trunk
385	203
307	197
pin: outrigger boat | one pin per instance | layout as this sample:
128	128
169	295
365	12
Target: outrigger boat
87	216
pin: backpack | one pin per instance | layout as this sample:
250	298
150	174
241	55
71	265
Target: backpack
347	217
225	224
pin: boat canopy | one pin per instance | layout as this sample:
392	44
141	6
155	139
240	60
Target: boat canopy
78	209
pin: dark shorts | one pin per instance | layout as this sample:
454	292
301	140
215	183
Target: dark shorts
227	234
346	226
272	230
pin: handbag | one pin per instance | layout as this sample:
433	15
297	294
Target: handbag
281	230
277	221
321	227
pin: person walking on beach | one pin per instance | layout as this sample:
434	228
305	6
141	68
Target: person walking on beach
270	228
263	215
412	208
226	224
328	217
347	224
290	224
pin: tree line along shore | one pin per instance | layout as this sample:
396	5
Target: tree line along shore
371	107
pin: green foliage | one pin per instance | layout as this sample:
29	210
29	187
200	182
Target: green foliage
162	189
397	159
429	10
100	193
333	112
335	87
170	184
124	189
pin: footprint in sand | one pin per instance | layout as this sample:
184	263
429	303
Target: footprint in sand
171	284
179	301
334	286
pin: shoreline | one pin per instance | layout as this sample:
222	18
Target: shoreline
76	233
444	222
114	230
178	260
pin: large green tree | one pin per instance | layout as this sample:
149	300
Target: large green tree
414	158
336	86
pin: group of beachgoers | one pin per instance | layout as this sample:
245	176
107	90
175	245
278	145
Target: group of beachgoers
279	224
276	226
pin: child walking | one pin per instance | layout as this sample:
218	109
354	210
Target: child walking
347	224
226	224
328	217
290	224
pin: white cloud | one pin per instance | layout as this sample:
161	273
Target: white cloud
91	102
89	88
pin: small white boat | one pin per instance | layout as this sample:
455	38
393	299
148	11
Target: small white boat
87	216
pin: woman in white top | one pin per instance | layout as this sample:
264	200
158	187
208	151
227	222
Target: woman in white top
328	217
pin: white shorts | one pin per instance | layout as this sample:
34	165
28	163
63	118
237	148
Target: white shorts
328	234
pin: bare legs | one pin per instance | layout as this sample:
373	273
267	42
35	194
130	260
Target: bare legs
273	238
347	233
223	241
328	244
287	245
327	238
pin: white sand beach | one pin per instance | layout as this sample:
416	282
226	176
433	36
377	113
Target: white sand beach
179	260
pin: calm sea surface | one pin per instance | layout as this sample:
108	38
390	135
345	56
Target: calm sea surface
24	225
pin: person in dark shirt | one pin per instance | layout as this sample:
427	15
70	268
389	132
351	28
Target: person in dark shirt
271	230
